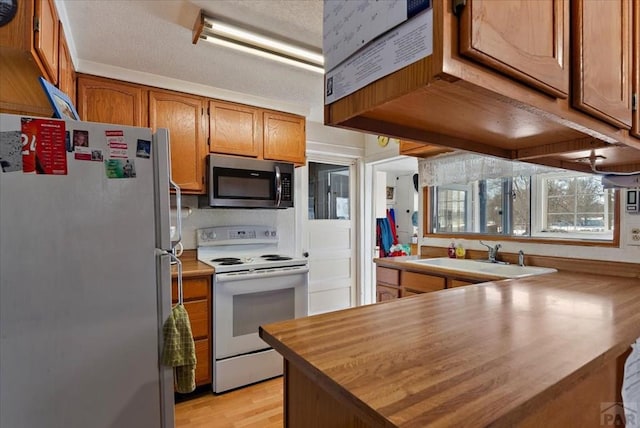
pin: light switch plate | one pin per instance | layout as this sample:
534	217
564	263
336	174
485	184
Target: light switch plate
634	235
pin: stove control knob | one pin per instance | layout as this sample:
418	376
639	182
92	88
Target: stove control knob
273	233
266	233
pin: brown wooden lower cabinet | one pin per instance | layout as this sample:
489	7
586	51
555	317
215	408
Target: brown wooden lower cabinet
203	367
197	302
385	292
421	283
458	283
396	283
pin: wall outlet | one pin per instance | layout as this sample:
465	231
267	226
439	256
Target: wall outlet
634	235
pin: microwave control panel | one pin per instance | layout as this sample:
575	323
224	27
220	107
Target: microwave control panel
286	187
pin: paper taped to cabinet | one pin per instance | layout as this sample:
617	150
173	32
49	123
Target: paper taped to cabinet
400	47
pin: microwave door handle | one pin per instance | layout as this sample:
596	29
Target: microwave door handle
278	186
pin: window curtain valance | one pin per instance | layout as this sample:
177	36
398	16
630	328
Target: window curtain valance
464	168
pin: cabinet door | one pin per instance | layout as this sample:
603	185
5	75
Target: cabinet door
203	362
384	293
527	40
46	37
234	129
284	137
66	72
183	116
110	101
602	59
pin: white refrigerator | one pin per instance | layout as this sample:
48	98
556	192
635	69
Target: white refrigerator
85	281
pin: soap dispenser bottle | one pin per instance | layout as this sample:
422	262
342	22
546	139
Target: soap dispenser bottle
451	251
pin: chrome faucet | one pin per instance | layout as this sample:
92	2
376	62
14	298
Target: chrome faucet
521	258
493	251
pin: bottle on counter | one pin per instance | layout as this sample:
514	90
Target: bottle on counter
451	251
460	252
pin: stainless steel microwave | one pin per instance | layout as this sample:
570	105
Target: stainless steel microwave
249	183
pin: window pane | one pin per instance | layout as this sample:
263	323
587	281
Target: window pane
578	205
328	192
521	206
494	194
452	212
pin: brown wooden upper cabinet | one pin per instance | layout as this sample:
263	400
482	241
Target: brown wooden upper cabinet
46	32
184	116
66	72
112	101
602	67
539	81
409	148
284	137
235	129
29	49
527	40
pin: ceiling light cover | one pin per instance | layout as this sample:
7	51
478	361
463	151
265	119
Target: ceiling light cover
221	33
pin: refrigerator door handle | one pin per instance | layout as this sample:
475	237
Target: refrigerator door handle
178	212
164	311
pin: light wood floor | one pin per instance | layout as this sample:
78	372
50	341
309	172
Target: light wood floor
258	405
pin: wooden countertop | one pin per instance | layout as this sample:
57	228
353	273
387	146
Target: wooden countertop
191	266
476	355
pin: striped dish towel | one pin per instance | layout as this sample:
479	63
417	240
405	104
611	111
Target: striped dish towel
179	349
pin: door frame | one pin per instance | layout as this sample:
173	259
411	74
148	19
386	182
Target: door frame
369	226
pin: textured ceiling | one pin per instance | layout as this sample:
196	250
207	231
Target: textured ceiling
155	37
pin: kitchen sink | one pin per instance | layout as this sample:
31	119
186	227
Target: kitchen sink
484	267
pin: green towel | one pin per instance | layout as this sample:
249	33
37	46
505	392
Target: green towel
179	349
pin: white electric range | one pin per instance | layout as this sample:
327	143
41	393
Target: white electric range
253	285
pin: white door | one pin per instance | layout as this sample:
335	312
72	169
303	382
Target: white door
330	238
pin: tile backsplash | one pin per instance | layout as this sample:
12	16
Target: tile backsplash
282	220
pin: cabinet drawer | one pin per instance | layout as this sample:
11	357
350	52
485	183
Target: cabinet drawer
421	283
458	283
387	275
193	288
199	316
203	365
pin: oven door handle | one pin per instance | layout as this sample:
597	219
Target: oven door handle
278	186
229	277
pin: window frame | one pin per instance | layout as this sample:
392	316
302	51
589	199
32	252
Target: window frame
428	223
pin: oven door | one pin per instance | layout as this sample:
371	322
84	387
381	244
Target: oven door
243	301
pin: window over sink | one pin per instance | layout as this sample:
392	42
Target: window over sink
558	206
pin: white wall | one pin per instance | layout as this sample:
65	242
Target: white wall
282	220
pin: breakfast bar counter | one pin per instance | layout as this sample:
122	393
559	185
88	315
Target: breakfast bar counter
545	350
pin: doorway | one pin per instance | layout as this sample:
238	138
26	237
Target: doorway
389	184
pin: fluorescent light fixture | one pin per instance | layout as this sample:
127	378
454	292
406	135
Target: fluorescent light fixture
221	33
